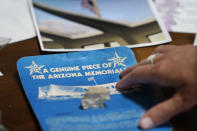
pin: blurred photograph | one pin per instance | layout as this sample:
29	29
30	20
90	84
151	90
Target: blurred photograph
76	25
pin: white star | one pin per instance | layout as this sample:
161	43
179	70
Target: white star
117	60
34	68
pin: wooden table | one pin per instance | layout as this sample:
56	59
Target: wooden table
16	111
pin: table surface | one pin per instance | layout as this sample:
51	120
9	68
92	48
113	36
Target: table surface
15	110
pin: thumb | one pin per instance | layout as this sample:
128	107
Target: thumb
162	112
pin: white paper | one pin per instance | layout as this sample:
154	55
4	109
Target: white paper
3	42
16	21
178	15
195	41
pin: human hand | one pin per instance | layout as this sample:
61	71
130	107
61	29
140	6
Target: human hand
174	66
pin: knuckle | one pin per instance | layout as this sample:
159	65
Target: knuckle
187	98
180	101
160	68
159	48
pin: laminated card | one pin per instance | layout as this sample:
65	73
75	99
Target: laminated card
55	86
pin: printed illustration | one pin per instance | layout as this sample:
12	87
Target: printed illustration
76	91
72	25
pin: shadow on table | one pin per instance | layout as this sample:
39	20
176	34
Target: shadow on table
146	96
149	95
35	122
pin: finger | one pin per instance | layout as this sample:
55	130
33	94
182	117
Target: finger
158	58
131	68
163	49
126	71
142	74
154	58
163	112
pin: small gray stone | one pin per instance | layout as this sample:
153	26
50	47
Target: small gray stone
95	97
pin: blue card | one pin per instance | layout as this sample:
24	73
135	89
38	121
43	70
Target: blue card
54	85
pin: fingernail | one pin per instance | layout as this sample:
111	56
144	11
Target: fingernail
117	86
146	123
120	77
